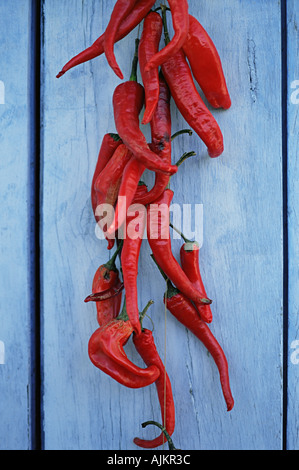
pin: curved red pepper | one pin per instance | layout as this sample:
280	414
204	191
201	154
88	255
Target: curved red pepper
179	78
128	101
189	255
106	352
160	243
120	11
141	8
206	65
180	20
146	347
148	46
185	312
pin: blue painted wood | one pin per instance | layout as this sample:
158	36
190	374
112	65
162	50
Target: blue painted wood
15	241
241	255
293	195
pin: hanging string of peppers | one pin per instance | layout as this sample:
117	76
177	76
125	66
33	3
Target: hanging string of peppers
169	72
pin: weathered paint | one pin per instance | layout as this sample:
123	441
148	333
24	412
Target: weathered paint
15	227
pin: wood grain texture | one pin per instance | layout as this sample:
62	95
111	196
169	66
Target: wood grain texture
293	228
15	190
241	256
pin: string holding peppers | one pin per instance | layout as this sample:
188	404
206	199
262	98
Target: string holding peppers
167	73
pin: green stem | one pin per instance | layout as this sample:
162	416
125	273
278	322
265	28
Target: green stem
166	34
144	311
183	131
171	291
180	233
160	8
184	157
115	137
133	77
110	265
169	440
123	314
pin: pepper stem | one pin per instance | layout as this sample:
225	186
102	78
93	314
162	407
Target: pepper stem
144	311
166	33
183	131
115	137
133	77
180	233
184	157
110	265
169	440
123	314
171	290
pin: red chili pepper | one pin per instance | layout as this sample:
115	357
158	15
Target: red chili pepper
141	8
128	99
106	352
106	187
120	11
126	194
161	141
180	20
189	255
179	78
109	144
146	347
106	294
129	261
206	65
148	47
185	312
160	243
106	280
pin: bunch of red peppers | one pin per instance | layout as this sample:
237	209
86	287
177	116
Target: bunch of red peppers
167	72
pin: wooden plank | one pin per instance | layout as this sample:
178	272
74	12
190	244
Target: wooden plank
241	255
15	195
293	225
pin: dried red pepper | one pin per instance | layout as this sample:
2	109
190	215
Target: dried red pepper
141	8
106	352
106	279
161	141
189	255
146	347
148	47
179	78
128	100
180	20
106	187
120	11
206	65
160	243
127	192
185	312
109	144
129	260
